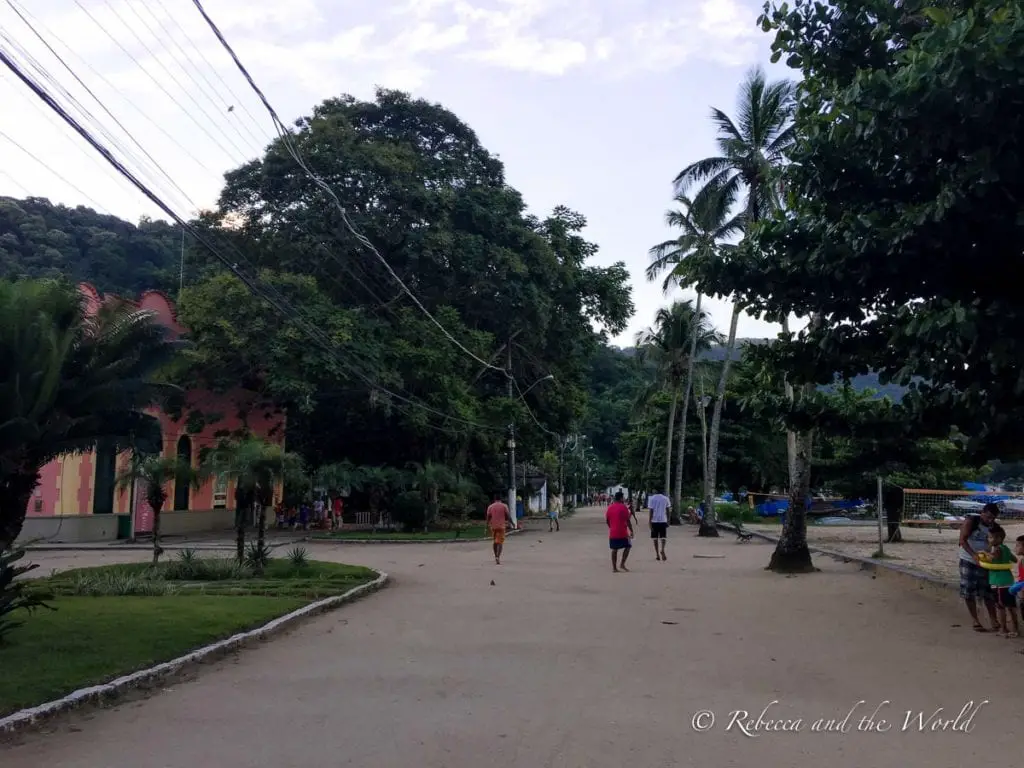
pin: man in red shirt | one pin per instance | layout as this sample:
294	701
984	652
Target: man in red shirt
620	531
498	517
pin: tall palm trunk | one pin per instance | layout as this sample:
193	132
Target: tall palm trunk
790	434
709	525
668	439
261	532
15	496
791	554
648	463
157	549
677	496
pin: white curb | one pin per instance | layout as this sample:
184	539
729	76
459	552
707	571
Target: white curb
27	718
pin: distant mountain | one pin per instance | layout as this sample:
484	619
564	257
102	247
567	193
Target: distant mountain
859	383
41	239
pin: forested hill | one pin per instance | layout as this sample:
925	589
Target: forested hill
860	383
38	238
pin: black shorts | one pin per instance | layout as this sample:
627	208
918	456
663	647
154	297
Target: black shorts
1004	598
659	530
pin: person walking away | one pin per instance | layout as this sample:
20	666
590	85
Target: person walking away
1001	580
973	578
498	517
553	509
620	531
658	505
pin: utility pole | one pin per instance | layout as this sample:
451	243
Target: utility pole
181	269
511	449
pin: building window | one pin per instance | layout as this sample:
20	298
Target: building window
104	481
181	486
220	491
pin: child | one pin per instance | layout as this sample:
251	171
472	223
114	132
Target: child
1018	572
1002	580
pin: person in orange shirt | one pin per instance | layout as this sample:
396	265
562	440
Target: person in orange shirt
498	518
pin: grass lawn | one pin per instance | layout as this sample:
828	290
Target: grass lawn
89	640
116	619
470	532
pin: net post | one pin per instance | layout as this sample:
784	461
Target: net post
881	514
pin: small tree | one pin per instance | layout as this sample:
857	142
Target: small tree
154	473
430	479
257	467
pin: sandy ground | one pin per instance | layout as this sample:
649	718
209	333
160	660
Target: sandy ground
553	660
923	549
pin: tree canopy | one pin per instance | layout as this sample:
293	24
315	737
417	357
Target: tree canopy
903	215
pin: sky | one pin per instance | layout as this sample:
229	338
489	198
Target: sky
594	104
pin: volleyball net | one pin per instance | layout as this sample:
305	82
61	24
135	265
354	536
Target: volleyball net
930	504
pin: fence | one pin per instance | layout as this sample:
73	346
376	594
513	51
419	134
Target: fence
925	503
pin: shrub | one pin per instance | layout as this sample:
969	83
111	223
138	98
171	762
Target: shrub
257	556
409	511
205	569
13	596
115	584
298	557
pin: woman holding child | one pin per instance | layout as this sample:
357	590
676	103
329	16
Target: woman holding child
974	580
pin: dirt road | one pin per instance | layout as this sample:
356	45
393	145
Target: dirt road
562	663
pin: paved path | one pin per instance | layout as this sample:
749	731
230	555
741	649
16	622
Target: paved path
561	663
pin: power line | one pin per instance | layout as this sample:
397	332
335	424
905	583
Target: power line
284	133
88	90
21	10
241	152
229	104
280	306
85	113
52	171
184	68
156	82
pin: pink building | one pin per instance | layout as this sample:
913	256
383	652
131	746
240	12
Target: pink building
77	498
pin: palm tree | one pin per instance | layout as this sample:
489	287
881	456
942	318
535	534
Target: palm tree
678	334
154	474
67	381
705	228
751	152
258	467
430	479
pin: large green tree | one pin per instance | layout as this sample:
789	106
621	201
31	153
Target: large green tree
902	218
904	193
415	181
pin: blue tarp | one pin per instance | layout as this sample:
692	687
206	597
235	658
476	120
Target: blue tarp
776	507
975	487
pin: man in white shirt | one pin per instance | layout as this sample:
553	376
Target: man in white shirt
659	505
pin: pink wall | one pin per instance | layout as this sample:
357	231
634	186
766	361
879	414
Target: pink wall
67	483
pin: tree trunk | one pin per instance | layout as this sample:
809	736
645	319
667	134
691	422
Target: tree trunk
668	440
15	496
648	462
709	525
677	496
790	434
261	533
791	553
157	504
240	532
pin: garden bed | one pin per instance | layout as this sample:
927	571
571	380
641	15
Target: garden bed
113	620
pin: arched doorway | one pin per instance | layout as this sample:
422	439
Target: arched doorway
105	478
181	487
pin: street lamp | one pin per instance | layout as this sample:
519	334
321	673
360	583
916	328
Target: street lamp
511	443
